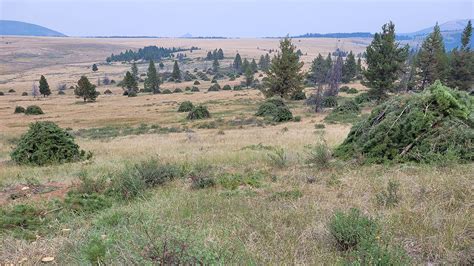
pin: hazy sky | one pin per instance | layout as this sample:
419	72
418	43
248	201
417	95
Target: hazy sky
231	18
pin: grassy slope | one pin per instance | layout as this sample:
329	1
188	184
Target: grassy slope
252	224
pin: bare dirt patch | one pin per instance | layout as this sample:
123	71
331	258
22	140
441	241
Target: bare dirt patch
36	192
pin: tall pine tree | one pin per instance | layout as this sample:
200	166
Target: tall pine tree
152	81
318	71
129	83
384	60
284	77
432	60
176	75
215	65
44	86
135	70
85	89
461	73
253	66
349	69
237	65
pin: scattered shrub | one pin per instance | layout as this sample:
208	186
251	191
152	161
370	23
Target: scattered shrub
2	93
215	87
185	106
227	87
348	112
177	90
198	112
237	88
297	118
298	96
132	93
46	143
319	154
187	88
344	89
33	110
282	114
61	93
433	126
86	203
278	157
107	92
24	93
24	220
95	251
200	182
19	110
197	82
11	91
319	126
390	197
153	173
362	98
352	91
329	101
276	109
351	229
166	91
194	89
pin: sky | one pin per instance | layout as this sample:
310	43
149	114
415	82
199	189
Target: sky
231	18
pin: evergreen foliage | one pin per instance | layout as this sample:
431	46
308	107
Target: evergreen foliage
461	73
176	75
85	89
152	81
284	77
436	125
275	109
33	110
198	112
185	106
147	53
95	68
46	143
129	83
432	60
384	61
44	87
237	65
349	69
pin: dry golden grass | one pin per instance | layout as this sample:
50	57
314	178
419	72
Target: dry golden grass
432	222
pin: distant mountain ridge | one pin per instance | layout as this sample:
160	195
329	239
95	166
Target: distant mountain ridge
451	31
18	28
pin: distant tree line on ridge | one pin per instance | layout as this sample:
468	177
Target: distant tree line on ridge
147	53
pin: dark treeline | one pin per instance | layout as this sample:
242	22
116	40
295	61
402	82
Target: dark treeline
147	53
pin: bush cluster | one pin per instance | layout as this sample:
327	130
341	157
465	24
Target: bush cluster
185	106
198	112
348	112
19	110
275	109
46	143
358	235
434	126
33	110
214	87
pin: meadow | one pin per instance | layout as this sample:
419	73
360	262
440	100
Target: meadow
271	202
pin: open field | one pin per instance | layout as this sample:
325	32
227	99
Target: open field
262	211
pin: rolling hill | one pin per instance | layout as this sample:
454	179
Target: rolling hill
18	28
